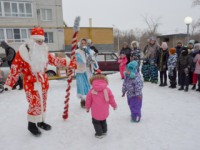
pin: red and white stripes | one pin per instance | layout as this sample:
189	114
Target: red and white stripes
73	65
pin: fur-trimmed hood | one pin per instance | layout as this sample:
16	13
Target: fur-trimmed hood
133	42
98	77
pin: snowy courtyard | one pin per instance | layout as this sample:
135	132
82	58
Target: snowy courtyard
170	121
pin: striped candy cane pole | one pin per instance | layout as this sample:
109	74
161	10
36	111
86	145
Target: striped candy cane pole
71	66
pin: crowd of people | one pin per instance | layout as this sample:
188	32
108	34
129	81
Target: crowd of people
181	61
33	57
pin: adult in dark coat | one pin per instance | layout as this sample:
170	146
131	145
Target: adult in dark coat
161	62
127	51
10	56
178	48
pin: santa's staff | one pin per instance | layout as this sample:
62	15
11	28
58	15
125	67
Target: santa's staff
72	65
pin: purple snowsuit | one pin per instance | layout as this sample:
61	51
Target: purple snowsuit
133	87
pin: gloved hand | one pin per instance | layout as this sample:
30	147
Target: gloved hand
139	98
121	64
120	60
123	95
87	110
156	65
164	66
186	70
115	108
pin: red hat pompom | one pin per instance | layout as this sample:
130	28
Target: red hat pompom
99	71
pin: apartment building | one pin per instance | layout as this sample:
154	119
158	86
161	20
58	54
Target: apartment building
18	17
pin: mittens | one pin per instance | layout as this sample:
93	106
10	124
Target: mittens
186	70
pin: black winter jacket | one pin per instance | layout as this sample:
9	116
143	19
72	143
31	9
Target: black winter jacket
127	52
10	53
161	59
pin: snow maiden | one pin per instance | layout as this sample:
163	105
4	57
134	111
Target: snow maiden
133	86
86	63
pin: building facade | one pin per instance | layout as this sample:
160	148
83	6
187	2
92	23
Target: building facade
18	17
172	39
102	38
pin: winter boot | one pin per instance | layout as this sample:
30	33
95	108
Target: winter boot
161	84
171	86
105	133
99	136
181	88
194	87
44	126
186	89
134	121
165	82
83	103
198	90
33	129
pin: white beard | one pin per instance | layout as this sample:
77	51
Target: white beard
39	58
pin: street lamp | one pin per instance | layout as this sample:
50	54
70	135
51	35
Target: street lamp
118	37
188	21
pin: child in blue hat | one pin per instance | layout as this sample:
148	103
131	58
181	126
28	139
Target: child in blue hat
133	86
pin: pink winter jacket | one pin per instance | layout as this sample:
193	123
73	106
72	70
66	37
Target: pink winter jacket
197	61
122	61
99	105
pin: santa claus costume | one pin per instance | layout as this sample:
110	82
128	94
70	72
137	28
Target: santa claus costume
32	60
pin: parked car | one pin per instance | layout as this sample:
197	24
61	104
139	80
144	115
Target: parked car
108	62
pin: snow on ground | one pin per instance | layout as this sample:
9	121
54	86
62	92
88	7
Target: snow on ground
170	121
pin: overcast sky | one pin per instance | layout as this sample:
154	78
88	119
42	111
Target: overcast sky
126	14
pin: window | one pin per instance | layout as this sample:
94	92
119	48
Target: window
110	57
46	14
14	35
16	9
100	58
0	10
2	35
48	37
166	39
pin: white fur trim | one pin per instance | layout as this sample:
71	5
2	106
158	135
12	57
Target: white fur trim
82	97
134	42
37	37
68	62
24	53
35	119
7	87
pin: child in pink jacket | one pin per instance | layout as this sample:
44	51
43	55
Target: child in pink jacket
197	69
122	63
98	99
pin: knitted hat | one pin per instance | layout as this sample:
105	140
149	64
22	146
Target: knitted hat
89	41
122	52
153	62
131	67
164	45
191	42
152	39
172	51
180	42
145	59
197	45
125	43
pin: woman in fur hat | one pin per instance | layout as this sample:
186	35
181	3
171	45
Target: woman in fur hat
98	99
133	86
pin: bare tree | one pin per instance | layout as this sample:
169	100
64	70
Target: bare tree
153	23
195	3
195	26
